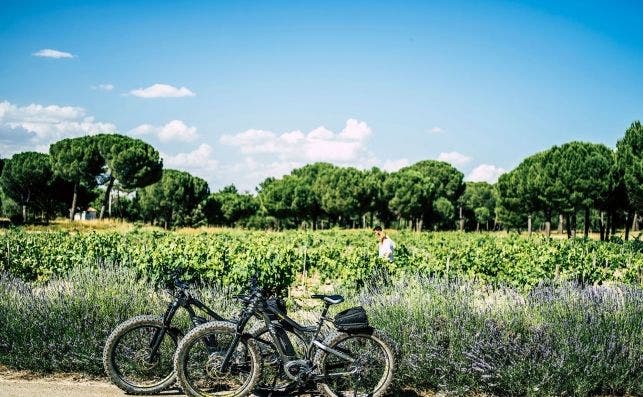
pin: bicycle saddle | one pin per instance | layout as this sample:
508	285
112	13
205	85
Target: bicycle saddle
330	299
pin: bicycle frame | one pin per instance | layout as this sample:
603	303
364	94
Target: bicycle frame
182	300
301	331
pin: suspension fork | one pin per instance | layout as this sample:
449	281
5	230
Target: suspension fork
159	334
235	341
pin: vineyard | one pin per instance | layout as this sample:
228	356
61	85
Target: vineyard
348	258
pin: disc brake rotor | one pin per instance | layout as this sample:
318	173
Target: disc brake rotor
213	366
142	358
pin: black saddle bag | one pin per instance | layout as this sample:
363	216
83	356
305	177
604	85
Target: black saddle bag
350	320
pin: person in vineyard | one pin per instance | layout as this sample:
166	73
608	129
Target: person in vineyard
385	244
381	277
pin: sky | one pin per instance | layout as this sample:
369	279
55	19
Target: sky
236	91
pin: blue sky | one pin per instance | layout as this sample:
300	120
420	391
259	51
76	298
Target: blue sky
237	91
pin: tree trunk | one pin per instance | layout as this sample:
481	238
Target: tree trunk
601	226
613	225
574	224
314	223
529	225
635	222
628	216
72	210
118	204
461	220
106	197
560	223
608	225
569	226
477	226
24	213
586	231
548	222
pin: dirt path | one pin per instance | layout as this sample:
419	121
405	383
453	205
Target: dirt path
69	388
26	384
57	388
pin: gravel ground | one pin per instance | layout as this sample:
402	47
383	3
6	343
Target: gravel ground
57	388
24	383
14	383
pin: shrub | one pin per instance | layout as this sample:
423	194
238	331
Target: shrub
457	336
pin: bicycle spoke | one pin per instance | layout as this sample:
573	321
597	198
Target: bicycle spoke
361	377
272	373
132	358
203	366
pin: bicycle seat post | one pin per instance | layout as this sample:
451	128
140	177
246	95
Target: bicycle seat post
320	322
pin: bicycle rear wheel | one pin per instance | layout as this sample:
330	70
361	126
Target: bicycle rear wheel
368	373
127	357
199	357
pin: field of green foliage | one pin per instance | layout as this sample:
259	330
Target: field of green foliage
471	313
342	257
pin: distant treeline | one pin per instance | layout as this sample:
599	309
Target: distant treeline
124	177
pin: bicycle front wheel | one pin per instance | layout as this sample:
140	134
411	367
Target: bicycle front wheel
199	357
365	370
128	358
272	376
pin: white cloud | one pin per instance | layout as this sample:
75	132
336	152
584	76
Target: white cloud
485	173
49	53
199	162
320	144
103	87
271	154
35	125
162	91
143	129
321	133
454	158
436	130
175	130
355	130
247	175
394	165
248	140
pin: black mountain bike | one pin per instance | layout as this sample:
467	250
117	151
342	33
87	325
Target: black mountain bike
138	353
358	360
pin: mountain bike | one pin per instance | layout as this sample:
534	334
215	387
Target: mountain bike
356	360
138	353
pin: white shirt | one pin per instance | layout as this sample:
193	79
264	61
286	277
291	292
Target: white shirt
386	249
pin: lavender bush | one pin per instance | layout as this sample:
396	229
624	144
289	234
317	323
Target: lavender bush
62	325
555	340
455	336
